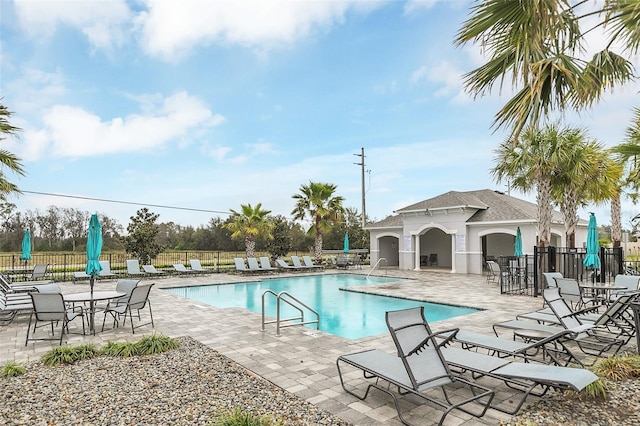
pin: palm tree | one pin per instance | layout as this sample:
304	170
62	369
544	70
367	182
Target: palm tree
587	174
529	164
325	209
537	44
7	159
249	224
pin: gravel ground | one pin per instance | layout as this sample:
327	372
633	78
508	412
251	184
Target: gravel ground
194	384
188	386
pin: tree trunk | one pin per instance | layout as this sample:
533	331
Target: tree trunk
569	208
545	211
250	246
616	221
317	249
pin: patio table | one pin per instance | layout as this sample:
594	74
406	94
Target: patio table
87	296
601	291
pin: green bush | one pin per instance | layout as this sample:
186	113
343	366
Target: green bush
59	355
123	349
156	344
242	418
11	369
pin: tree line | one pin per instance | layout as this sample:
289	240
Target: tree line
65	229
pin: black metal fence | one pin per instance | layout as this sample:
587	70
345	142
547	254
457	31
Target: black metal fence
523	275
63	265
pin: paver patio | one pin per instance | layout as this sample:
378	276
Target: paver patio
301	361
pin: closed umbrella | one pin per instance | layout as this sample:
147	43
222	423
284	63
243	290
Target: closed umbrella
26	248
591	260
94	247
518	249
346	242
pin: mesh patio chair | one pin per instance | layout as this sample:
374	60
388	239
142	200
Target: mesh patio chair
50	308
418	369
138	300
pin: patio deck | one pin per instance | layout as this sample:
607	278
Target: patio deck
301	361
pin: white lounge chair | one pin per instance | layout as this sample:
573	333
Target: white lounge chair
284	265
196	266
240	265
308	262
106	272
254	266
151	270
133	267
266	264
182	270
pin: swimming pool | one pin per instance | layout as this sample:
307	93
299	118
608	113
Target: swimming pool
348	314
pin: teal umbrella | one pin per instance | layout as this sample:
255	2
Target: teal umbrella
26	246
94	247
591	260
518	249
346	243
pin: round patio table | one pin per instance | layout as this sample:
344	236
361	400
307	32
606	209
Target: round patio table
96	296
600	291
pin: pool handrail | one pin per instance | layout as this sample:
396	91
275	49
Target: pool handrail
281	297
376	264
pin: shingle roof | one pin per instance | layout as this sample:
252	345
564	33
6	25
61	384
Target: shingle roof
394	221
492	206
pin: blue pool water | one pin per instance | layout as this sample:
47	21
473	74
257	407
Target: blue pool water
344	313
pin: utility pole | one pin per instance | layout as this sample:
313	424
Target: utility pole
364	211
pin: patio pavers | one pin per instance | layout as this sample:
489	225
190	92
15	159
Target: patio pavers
298	361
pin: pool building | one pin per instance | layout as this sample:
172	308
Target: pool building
459	231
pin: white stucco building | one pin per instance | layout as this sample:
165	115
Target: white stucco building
458	231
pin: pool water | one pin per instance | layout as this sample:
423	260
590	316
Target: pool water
347	314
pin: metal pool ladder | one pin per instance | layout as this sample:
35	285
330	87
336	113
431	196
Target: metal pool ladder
296	304
377	264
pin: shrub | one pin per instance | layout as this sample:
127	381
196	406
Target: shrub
618	367
156	344
242	418
123	349
59	355
11	369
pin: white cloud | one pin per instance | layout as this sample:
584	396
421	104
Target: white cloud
74	132
171	29
412	6
36	89
446	76
102	22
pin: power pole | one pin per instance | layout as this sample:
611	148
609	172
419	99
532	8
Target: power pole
364	211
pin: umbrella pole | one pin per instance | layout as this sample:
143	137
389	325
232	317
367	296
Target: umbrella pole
91	325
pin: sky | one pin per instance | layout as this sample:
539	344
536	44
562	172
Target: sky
207	105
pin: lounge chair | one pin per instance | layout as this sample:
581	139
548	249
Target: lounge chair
266	264
137	301
593	338
297	264
151	270
308	262
240	265
196	266
39	272
133	268
11	303
284	265
182	270
50	307
254	266
418	369
106	272
79	275
410	329
550	278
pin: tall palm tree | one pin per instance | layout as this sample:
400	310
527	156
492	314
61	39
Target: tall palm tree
587	174
250	223
317	200
529	164
538	44
8	160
